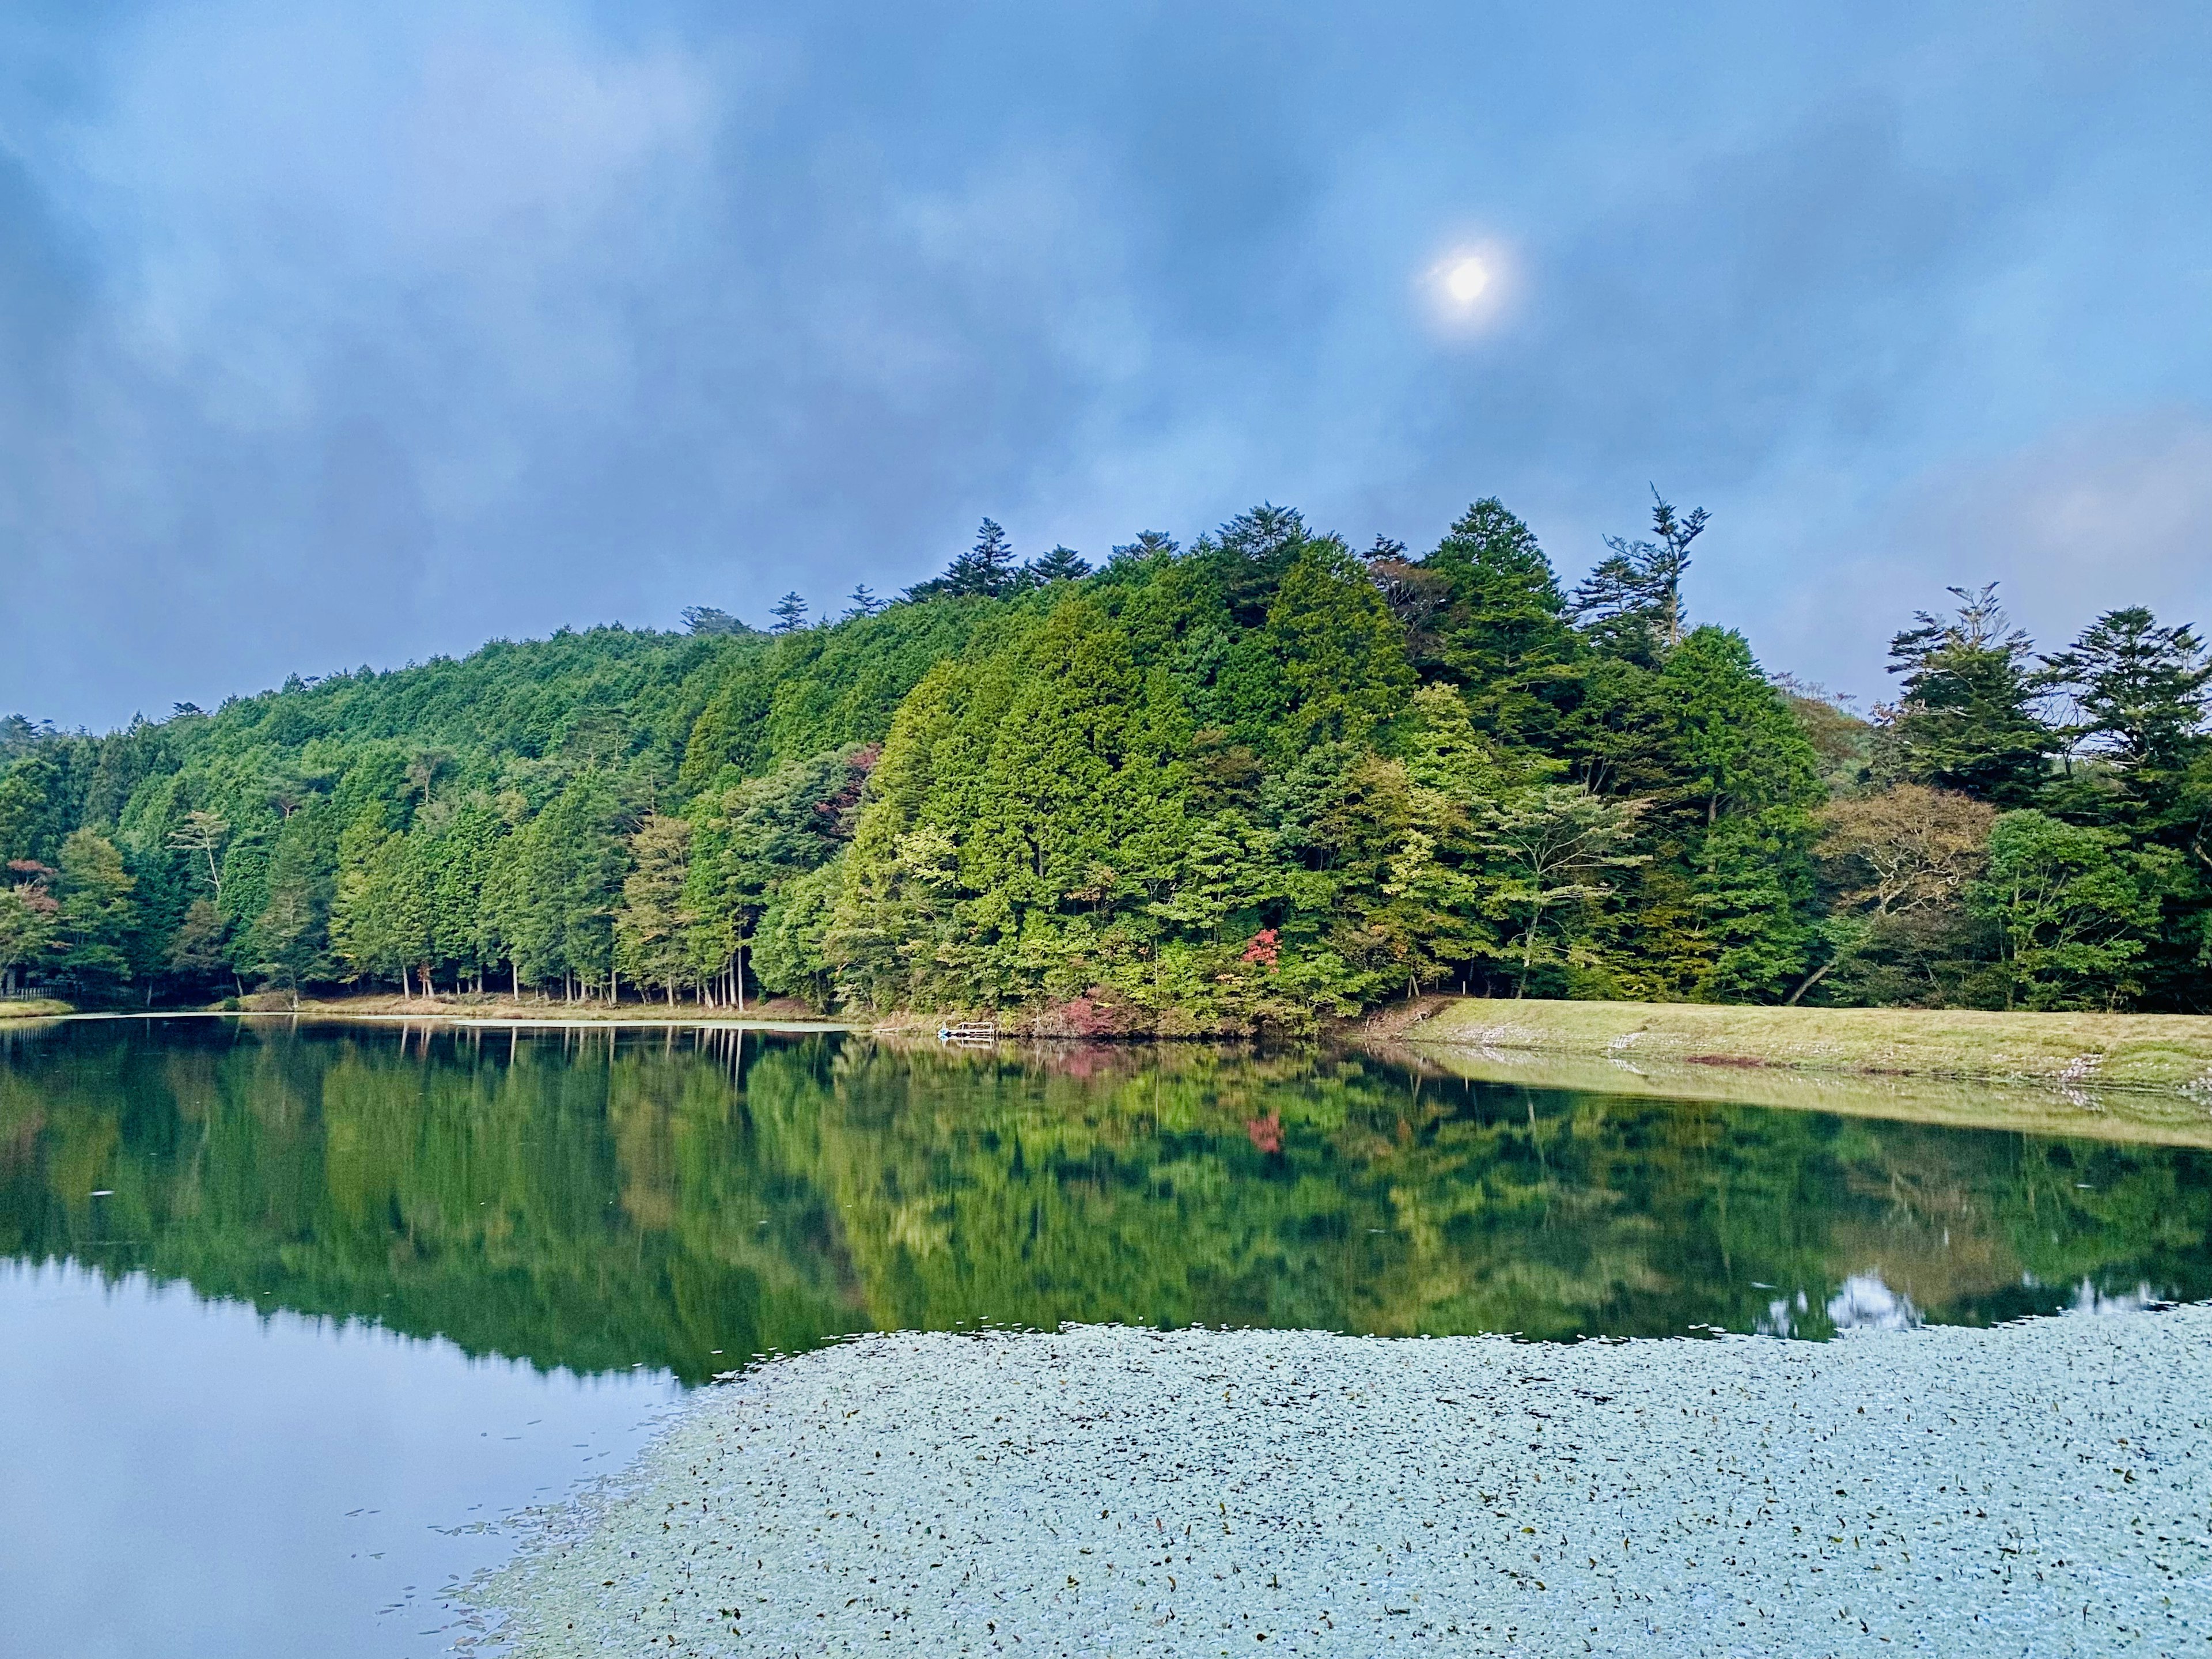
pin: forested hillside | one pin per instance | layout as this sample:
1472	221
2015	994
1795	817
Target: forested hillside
1247	785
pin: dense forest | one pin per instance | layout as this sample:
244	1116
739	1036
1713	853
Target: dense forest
1246	785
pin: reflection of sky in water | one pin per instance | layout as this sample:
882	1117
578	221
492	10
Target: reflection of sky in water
1865	1303
183	1479
2089	1300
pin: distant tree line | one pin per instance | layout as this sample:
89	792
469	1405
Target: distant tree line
1238	785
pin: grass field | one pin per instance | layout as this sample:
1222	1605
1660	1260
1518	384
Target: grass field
2096	1052
33	1008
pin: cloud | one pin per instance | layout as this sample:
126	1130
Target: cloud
2112	513
356	332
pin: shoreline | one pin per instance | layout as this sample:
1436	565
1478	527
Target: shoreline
1943	1490
2163	1053
2126	1116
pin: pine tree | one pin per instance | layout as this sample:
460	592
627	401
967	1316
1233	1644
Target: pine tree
864	602
2142	692
649	942
1966	718
985	570
1062	565
790	614
1504	637
1631	603
94	921
705	619
1149	544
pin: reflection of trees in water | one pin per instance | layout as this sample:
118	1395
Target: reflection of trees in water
590	1203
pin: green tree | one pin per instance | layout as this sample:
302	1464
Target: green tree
27	915
1631	603
985	570
2070	913
1338	656
2141	692
1552	847
1965	716
790	614
1504	639
1062	565
94	915
649	928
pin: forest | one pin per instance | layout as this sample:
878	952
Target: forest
1250	785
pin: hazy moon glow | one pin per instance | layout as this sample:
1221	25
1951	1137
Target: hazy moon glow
1468	287
1467	279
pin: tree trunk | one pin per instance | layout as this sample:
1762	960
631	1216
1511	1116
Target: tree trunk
1808	983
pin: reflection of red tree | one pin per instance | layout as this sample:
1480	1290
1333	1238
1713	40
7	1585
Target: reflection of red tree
1262	948
1267	1133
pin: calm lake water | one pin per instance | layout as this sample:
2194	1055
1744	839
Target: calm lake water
290	1318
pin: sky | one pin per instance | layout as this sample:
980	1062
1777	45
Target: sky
363	332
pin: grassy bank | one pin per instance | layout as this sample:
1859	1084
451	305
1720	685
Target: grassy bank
2151	1117
33	1008
2164	1052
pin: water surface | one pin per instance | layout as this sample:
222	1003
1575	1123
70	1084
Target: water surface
287	1315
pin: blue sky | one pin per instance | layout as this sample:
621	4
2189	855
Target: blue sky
354	333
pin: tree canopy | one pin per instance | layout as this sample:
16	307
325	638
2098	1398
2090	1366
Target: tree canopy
1241	784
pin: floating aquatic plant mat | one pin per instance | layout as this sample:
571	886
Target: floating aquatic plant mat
2144	1116
2039	1489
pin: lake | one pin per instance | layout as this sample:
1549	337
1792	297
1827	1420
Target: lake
291	1317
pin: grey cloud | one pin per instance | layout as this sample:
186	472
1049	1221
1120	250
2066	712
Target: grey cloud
365	333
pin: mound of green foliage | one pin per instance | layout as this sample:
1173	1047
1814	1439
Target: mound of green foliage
1241	786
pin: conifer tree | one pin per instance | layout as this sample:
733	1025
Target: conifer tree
2142	692
985	570
1965	718
649	942
1504	638
1631	603
790	614
1062	565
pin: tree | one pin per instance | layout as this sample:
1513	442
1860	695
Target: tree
28	911
985	570
204	833
287	929
2070	914
1631	603
649	928
93	914
1148	544
1339	658
1062	565
2141	693
705	619
1898	867
864	602
790	614
196	952
1965	716
1503	637
1551	848
1741	748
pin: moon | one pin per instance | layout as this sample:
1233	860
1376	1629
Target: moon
1465	280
